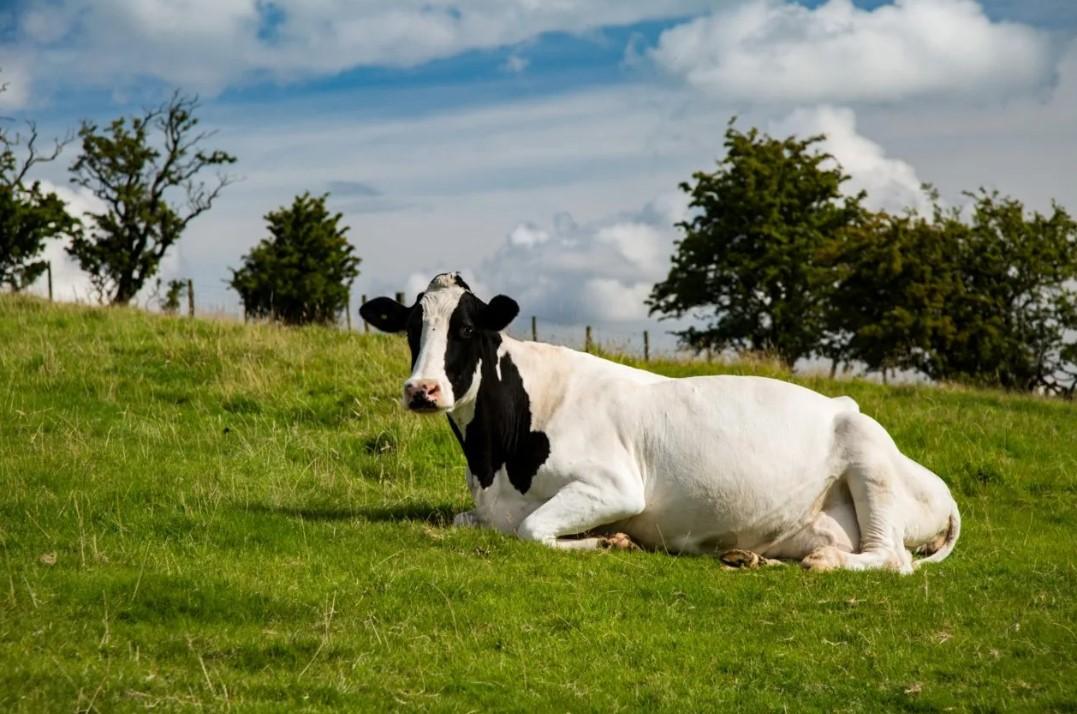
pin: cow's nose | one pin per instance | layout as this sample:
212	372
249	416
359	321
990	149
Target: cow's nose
422	392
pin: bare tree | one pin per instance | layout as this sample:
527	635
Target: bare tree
137	166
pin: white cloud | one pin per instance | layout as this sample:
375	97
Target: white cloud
891	184
207	45
15	80
572	274
515	64
527	234
69	283
775	51
601	272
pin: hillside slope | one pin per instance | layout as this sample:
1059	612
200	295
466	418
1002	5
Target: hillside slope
198	513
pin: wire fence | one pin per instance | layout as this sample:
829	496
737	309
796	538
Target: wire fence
649	341
213	300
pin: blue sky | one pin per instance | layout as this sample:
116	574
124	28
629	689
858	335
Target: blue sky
556	62
538	146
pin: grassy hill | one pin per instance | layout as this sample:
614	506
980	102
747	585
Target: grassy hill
204	514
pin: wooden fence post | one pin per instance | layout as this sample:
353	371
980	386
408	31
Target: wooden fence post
190	297
348	313
534	329
400	298
48	269
646	347
366	325
587	340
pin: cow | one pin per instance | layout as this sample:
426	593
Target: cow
570	450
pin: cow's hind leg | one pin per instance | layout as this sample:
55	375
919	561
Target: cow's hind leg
873	479
834	529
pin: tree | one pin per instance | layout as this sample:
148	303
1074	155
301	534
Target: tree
749	256
175	290
895	278
303	271
135	166
990	300
1017	306
29	215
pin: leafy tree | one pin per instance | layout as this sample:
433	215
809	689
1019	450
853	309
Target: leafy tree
749	256
1016	311
303	271
175	290
895	277
135	166
990	300
29	215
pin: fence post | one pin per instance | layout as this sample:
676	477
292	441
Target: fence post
400	298
646	347
366	325
534	329
348	313
587	340
190	297
48	269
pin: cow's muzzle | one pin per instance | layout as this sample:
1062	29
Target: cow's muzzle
423	395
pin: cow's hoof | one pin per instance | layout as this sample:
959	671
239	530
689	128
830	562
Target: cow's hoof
619	541
822	559
738	558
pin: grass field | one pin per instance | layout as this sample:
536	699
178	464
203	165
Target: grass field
199	514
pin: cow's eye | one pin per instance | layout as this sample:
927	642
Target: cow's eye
466	331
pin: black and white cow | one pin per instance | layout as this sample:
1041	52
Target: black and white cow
562	445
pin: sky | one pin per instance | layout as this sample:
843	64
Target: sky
538	145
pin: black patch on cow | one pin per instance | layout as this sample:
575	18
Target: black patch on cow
499	435
500	432
415	330
386	314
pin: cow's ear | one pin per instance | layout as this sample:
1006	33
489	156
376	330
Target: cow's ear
385	314
498	314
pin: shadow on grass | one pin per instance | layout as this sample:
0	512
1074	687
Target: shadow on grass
439	515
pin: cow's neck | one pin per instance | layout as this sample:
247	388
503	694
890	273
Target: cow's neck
495	428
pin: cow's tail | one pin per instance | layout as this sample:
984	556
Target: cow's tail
951	538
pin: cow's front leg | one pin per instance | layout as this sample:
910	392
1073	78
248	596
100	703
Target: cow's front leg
580	507
467	519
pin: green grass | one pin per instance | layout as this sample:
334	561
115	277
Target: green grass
242	516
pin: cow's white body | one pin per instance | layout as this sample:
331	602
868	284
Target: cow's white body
708	464
698	465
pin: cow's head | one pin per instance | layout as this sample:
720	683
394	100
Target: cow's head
450	332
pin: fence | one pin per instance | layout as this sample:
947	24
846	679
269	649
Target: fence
646	343
622	340
220	301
